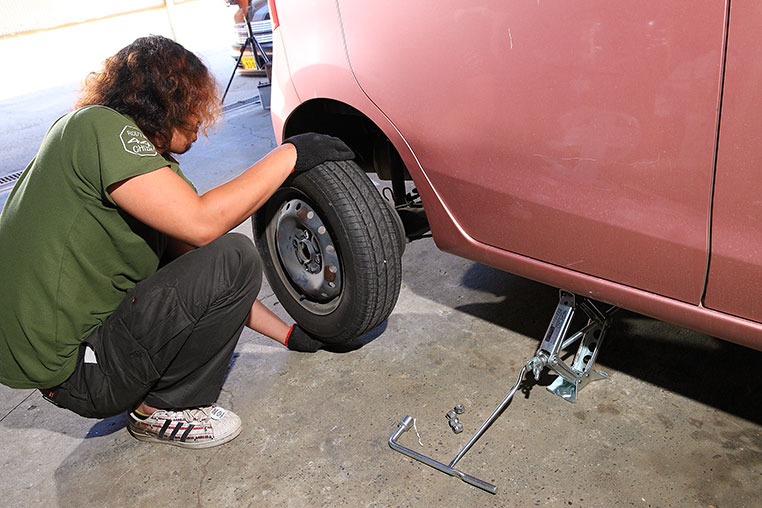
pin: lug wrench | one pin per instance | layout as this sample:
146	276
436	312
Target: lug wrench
406	424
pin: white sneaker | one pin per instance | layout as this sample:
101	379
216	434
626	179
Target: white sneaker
191	428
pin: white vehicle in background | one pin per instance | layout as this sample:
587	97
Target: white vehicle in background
261	27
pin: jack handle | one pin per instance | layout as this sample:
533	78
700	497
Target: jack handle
406	424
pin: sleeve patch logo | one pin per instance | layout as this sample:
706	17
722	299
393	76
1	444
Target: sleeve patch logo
135	142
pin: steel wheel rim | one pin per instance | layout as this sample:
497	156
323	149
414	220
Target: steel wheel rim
308	256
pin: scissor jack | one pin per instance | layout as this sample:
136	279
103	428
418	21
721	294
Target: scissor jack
570	380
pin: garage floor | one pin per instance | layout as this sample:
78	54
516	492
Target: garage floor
677	424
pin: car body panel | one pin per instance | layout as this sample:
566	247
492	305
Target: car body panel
323	66
537	120
735	270
283	96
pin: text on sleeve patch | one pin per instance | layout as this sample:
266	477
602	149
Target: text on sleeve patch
136	143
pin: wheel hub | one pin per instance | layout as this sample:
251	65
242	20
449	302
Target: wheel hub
307	252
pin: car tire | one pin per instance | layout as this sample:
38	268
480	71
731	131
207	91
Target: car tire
399	226
331	251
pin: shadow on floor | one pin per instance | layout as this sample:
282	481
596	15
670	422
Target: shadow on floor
708	370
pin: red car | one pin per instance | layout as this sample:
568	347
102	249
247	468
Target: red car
608	149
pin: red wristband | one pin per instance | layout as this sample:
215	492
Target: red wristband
285	343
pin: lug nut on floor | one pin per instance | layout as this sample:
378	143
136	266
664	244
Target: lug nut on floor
452	417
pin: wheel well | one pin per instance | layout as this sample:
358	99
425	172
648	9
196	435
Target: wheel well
375	153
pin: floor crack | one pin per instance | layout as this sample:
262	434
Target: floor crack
16	406
201	481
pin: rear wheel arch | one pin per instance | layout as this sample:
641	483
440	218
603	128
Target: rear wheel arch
375	152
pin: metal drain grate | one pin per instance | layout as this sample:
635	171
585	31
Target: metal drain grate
240	104
7	181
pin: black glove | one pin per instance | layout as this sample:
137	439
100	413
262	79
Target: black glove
313	149
299	340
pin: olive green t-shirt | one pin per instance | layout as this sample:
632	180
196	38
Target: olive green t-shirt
68	254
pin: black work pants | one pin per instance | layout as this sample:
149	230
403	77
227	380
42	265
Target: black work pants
170	341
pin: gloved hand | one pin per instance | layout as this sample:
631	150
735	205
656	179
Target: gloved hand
299	340
313	149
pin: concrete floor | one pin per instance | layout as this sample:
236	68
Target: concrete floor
678	422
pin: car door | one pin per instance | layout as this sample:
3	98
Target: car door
735	269
576	132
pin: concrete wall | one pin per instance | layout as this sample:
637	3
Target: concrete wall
20	16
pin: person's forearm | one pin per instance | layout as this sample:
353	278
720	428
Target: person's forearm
236	200
163	201
264	321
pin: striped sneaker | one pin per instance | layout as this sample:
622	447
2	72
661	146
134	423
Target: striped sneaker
191	428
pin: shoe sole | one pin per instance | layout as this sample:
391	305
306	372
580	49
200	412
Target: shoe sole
150	438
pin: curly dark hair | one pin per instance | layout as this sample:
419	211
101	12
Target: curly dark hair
158	83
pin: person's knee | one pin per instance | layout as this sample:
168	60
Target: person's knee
241	250
236	242
242	260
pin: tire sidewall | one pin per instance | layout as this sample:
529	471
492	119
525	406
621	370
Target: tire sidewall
338	325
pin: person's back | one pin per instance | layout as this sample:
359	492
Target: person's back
67	253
